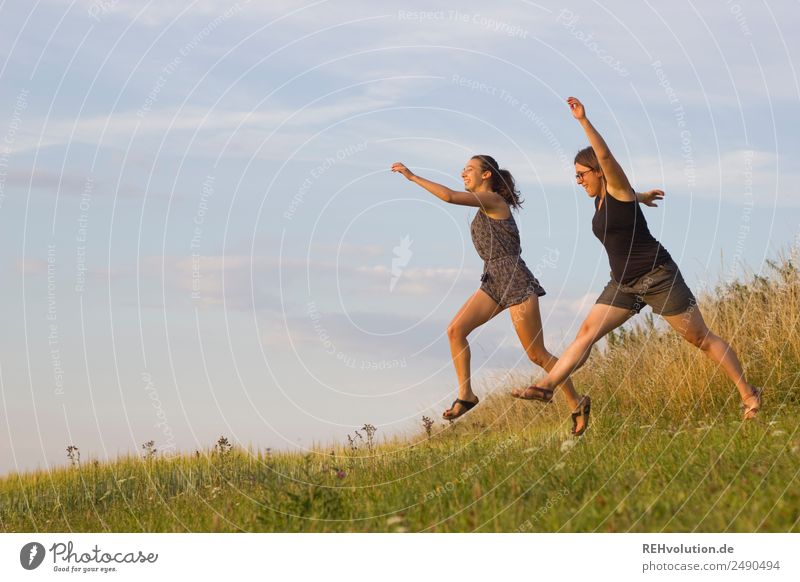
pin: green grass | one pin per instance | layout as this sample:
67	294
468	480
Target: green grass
666	451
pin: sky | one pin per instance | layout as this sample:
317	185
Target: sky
202	237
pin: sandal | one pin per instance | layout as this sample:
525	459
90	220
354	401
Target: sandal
583	410
750	412
535	393
466	406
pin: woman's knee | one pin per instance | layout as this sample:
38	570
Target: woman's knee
456	332
702	339
587	335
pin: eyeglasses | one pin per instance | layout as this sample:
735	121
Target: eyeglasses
579	175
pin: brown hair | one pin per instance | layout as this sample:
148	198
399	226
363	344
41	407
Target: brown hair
501	182
587	157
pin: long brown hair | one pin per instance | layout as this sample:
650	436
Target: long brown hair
501	182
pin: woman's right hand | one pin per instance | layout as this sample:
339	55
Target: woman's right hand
401	168
576	107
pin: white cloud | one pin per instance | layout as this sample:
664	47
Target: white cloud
349	249
156	14
416	281
120	127
235	280
735	176
31	266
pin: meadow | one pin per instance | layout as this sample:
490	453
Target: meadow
666	451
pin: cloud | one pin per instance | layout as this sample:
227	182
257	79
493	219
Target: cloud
157	14
67	182
415	281
368	335
349	249
31	266
737	176
34	266
123	126
209	281
244	282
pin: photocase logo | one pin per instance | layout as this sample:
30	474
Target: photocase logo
402	254
31	555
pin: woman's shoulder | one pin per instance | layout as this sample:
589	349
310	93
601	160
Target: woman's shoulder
500	210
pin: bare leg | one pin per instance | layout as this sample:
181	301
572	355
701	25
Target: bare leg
527	320
601	320
691	326
478	309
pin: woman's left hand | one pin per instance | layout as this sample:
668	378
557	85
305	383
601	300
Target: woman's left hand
650	197
401	168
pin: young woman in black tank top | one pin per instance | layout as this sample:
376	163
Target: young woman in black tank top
506	281
642	272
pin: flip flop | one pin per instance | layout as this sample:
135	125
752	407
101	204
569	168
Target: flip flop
535	393
750	412
466	406
583	410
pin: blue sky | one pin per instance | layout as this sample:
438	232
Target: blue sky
199	223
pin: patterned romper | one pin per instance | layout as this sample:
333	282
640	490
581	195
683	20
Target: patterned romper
506	278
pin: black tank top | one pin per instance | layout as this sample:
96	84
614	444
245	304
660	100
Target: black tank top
632	250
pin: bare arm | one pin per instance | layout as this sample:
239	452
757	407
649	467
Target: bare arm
616	180
489	201
650	197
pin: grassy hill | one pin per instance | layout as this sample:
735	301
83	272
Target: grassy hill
666	451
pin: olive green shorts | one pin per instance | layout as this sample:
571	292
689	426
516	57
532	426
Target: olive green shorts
663	289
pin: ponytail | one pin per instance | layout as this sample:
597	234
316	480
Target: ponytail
501	182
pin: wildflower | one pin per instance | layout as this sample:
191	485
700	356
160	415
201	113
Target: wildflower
370	430
74	455
341	474
149	449
427	422
223	446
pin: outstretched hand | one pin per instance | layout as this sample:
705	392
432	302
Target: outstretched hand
578	112
401	168
650	197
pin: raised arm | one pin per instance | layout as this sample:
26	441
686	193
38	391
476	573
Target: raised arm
616	181
489	201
